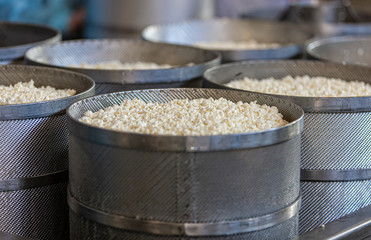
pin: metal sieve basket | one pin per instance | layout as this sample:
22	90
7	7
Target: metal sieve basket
336	140
17	38
76	52
34	155
137	186
289	35
342	49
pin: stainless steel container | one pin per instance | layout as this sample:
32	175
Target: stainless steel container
341	49
336	140
17	38
138	186
188	33
67	53
34	155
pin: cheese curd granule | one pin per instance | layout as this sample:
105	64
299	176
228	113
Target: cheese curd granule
117	65
304	86
236	45
184	117
26	92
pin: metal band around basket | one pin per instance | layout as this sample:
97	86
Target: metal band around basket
187	229
32	182
8	236
335	175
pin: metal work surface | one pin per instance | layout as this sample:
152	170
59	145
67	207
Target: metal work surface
342	49
67	53
183	187
188	33
336	140
355	226
17	38
34	155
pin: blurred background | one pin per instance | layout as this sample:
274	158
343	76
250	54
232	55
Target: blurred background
127	18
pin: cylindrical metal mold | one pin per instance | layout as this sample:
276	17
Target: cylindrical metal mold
138	186
336	140
76	52
353	50
188	33
34	155
17	38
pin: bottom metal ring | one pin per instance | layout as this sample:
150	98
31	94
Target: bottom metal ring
335	175
8	236
187	229
32	182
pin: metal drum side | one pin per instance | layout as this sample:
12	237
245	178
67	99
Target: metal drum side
35	213
336	143
290	35
179	185
341	49
68	53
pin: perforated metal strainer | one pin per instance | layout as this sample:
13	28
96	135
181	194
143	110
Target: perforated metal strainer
342	49
336	141
189	63
34	155
290	36
17	38
138	186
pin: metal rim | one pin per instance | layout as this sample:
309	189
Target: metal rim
46	108
311	45
33	182
17	51
184	143
335	175
309	104
289	49
176	74
9	236
187	229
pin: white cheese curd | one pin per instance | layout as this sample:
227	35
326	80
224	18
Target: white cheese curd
304	86
117	65
235	45
182	117
26	92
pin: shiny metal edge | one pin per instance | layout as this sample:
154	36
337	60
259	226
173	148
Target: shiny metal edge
320	41
309	104
32	182
18	51
171	75
355	226
46	108
8	236
188	229
183	143
335	175
151	32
